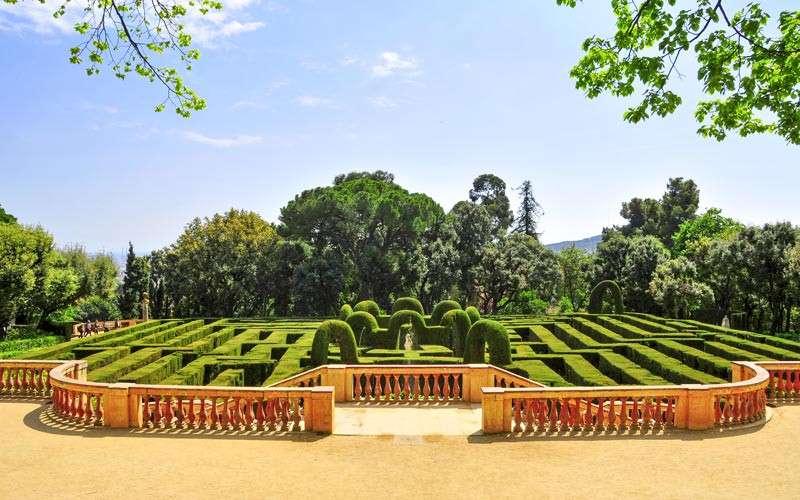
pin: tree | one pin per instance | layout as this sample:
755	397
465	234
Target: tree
317	284
529	211
710	225
676	289
6	217
135	284
609	258
644	256
747	64
130	36
473	227
661	218
220	264
490	191
374	225
575	265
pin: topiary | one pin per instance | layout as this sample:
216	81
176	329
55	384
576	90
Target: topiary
342	333
596	297
487	331
459	324
399	319
369	306
473	313
407	304
345	311
361	322
441	308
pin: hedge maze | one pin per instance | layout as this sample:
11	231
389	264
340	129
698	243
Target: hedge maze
574	349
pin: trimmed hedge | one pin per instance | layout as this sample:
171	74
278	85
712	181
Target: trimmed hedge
339	331
625	371
407	304
473	313
538	371
580	372
229	378
732	353
112	372
695	358
362	323
132	336
489	332
648	326
441	308
597	332
399	319
198	372
763	349
573	338
105	357
667	367
459	323
554	345
596	297
156	371
345	311
369	306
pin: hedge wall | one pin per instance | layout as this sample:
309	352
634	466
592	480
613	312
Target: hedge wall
596	297
407	304
112	372
580	372
573	338
369	306
155	372
489	332
440	309
625	371
554	345
345	311
695	358
732	353
229	378
473	313
667	367
763	349
459	324
341	332
363	324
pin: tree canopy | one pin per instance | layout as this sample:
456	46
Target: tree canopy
747	63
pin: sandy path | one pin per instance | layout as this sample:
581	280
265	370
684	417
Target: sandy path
43	460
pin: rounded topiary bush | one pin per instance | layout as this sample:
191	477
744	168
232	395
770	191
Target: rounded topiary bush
596	297
459	323
399	319
339	331
441	308
369	306
473	313
362	323
345	311
487	331
407	304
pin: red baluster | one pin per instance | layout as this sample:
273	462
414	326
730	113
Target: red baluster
386	387
796	388
436	392
238	418
456	387
623	412
248	414
260	413
446	386
284	414
369	388
553	417
541	406
726	412
17	383
39	380
395	388
530	404
426	390
86	414
612	412
192	416
601	413
99	410
157	418
3	372
635	412
781	385
647	419
169	413
517	414
588	421
670	411
271	413
575	417
215	420
296	414
377	387
407	388
659	414
179	416
146	409
47	384
718	408
357	395
736	407
417	387
563	417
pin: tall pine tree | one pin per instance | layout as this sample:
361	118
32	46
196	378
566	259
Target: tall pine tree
529	212
135	283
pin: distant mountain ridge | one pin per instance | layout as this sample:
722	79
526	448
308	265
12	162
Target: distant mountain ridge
589	244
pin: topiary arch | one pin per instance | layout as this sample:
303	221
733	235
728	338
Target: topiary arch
473	313
399	319
362	323
441	308
369	306
596	297
459	323
345	311
342	333
487	331
407	304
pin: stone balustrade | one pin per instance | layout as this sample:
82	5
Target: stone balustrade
688	406
408	383
28	378
784	380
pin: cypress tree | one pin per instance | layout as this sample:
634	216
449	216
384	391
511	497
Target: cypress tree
529	211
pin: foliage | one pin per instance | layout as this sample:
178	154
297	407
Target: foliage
95	308
529	211
473	313
316	284
575	266
644	255
459	323
490	191
609	261
340	332
135	284
97	274
6	218
676	289
747	64
710	225
596	297
362	322
401	318
662	218
345	311
494	334
528	303
441	308
407	303
473	228
368	306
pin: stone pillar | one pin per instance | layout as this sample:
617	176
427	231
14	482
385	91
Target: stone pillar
493	418
337	377
478	376
700	408
322	409
115	406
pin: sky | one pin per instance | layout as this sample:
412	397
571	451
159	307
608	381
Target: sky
298	92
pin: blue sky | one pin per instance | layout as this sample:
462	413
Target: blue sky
297	92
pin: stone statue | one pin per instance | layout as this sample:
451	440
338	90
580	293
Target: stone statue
145	307
726	323
409	344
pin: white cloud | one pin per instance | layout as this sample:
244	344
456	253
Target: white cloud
240	140
38	17
255	103
382	102
308	100
347	61
90	106
392	63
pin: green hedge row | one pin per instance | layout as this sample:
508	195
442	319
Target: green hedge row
668	367
554	345
229	378
646	325
255	371
487	333
156	371
233	347
573	338
407	304
133	335
536	369
695	358
732	353
624	329
106	356
198	372
163	336
113	371
579	371
440	309
599	333
763	349
625	371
